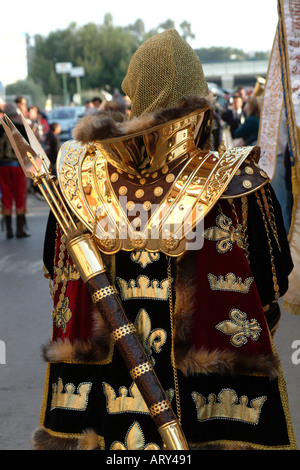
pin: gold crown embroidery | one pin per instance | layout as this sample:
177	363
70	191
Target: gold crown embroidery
227	406
65	397
144	288
133	402
230	283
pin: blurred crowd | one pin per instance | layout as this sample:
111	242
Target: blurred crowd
236	123
236	117
14	186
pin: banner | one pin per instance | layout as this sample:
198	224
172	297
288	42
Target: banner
282	95
289	47
272	106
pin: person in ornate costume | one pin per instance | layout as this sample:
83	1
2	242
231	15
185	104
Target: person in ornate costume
201	293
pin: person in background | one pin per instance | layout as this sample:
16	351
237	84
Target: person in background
52	143
21	103
248	131
12	179
234	115
93	106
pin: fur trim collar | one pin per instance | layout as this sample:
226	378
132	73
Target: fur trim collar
107	124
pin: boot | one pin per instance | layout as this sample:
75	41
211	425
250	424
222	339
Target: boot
9	232
21	226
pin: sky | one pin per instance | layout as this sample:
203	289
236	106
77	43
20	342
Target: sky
249	26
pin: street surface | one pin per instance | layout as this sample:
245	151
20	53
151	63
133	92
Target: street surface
25	325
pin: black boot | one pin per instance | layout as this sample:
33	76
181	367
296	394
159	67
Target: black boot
9	232
21	226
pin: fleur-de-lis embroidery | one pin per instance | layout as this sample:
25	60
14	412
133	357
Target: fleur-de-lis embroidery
62	316
239	328
224	233
134	440
144	257
154	339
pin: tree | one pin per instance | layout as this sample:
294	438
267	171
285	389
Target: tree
30	88
186	30
104	51
168	24
213	54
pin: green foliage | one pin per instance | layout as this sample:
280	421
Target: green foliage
104	51
30	88
219	54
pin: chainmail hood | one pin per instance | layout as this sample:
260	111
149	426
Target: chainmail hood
162	71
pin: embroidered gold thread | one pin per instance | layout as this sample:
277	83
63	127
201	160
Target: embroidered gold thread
230	283
224	233
152	340
132	403
144	257
64	271
143	288
66	398
134	440
239	328
129	400
226	406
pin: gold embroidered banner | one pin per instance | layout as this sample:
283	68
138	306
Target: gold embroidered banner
282	94
272	105
289	44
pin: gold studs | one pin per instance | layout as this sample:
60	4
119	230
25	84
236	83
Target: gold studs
142	180
130	205
165	169
139	193
147	205
263	174
154	175
249	170
170	178
247	184
123	190
114	177
158	191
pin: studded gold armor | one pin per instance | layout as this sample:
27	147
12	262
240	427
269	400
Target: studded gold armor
150	189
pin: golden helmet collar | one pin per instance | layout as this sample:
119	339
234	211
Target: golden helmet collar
152	149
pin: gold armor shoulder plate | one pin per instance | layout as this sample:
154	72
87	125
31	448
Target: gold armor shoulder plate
248	178
157	211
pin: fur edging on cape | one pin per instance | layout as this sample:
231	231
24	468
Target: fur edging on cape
106	125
